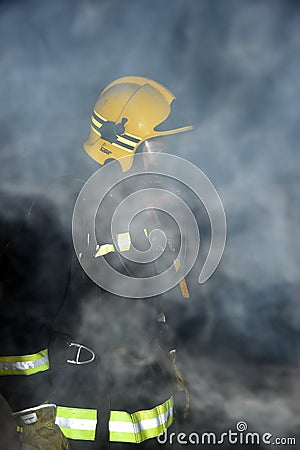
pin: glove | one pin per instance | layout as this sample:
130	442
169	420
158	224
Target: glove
39	431
180	383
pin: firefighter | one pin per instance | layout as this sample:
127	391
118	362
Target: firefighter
111	377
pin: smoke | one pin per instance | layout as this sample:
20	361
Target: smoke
234	69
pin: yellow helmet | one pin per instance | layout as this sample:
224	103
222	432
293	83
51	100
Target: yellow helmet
125	115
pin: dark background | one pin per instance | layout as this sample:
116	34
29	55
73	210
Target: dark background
234	67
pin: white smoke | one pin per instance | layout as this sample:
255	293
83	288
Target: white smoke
235	71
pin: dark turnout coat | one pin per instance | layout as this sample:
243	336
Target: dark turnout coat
121	390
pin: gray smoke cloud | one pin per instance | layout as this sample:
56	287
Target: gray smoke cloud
234	68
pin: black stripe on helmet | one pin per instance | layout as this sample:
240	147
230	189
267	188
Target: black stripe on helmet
96	128
98	118
122	144
131	138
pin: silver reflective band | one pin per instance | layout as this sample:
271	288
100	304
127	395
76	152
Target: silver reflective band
146	424
124	241
77	423
24	364
141	425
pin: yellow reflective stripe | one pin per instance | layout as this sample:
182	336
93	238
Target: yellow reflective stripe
73	431
104	249
141	425
115	144
100	117
32	357
133	136
98	124
77	423
124	241
96	131
24	364
122	138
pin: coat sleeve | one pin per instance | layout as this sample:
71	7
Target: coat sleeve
32	288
